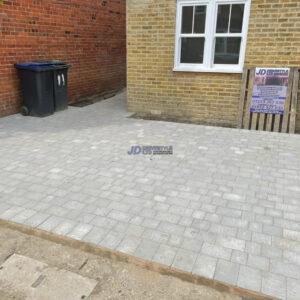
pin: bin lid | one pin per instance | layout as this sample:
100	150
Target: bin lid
56	64
34	66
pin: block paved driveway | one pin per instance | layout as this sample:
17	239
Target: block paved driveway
226	205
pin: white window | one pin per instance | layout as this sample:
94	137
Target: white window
211	35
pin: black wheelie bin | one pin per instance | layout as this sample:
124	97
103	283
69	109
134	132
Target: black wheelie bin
45	87
60	83
37	85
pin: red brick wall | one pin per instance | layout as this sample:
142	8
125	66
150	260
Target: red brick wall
88	34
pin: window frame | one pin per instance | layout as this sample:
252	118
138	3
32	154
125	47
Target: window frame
210	37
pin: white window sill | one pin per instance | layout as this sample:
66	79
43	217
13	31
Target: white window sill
208	70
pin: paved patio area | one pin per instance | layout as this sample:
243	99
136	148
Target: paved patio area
226	205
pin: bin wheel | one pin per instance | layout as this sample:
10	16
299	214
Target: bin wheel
24	111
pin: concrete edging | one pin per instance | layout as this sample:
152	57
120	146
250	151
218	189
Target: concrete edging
142	263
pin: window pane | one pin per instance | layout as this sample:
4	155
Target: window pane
237	14
223	18
200	17
227	50
187	19
192	50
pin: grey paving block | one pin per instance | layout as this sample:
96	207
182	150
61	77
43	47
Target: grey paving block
191	244
73	214
74	205
205	236
175	240
291	257
42	206
272	230
23	215
135	230
201	224
4	207
171	228
80	231
119	216
258	262
205	266
165	216
103	222
156	236
253	248
11	212
231	243
291	234
50	223
271	252
136	220
132	192
148	213
229	212
286	244
293	289
255	227
185	221
160	198
216	251
213	218
185	260
223	230
129	244
121	227
146	249
112	240
163	207
234	197
287	224
250	278
198	214
150	223
119	206
261	238
285	269
209	208
274	285
95	235
64	227
190	232
99	211
36	220
234	222
227	272
264	219
57	210
85	217
244	234
165	255
239	257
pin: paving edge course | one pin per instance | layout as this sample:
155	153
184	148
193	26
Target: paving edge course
142	263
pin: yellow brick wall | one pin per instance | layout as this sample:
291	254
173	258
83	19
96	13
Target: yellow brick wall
213	98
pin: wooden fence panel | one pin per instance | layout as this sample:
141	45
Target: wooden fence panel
293	113
287	106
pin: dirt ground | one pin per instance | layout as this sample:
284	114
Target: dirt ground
116	280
